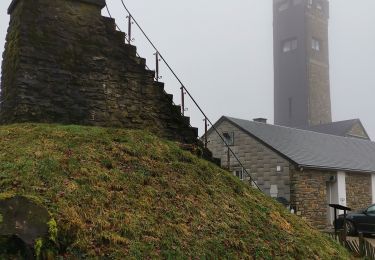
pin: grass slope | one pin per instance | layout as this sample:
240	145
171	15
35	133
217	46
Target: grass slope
127	194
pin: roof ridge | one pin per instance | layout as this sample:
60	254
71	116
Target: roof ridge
299	129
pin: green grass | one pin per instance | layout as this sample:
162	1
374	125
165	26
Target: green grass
127	194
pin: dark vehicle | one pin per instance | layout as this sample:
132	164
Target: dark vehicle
362	221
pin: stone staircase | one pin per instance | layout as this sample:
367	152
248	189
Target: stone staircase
65	63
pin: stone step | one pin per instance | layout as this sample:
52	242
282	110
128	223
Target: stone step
141	61
159	84
110	23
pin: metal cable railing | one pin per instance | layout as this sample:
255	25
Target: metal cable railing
184	90
126	35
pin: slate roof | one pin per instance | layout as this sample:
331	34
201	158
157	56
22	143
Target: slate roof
341	128
311	149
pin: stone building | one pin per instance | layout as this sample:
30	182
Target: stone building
65	63
307	169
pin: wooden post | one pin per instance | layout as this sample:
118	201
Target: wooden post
345	230
362	252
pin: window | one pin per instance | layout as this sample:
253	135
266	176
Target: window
283	6
319	6
274	191
279	168
289	45
239	173
229	138
315	44
309	3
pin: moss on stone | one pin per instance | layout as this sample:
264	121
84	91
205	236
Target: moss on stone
52	230
38	247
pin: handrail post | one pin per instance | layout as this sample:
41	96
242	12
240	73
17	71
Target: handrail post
157	66
182	100
205	132
129	28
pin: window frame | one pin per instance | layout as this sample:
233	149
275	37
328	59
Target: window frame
289	45
309	3
242	173
319	5
230	141
316	44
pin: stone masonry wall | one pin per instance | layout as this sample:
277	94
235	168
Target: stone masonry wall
65	63
358	131
319	104
309	196
358	190
260	161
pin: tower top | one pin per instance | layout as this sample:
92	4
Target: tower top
100	3
301	63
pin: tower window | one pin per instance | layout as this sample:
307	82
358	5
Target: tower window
309	3
315	44
289	45
283	6
319	6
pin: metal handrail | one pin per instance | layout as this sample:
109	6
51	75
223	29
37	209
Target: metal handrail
184	90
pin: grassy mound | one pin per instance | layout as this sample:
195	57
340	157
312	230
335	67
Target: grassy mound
127	194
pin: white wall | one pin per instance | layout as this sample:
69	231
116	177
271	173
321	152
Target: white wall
373	187
341	187
337	194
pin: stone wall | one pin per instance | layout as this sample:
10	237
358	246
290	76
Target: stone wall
358	131
65	63
309	196
260	161
319	102
358	190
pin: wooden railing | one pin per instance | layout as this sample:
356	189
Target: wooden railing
359	247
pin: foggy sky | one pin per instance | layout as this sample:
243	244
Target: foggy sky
223	52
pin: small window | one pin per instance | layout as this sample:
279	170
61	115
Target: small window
274	191
290	45
284	6
239	173
279	168
319	6
229	138
309	3
315	44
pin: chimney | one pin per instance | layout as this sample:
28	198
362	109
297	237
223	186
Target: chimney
260	120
